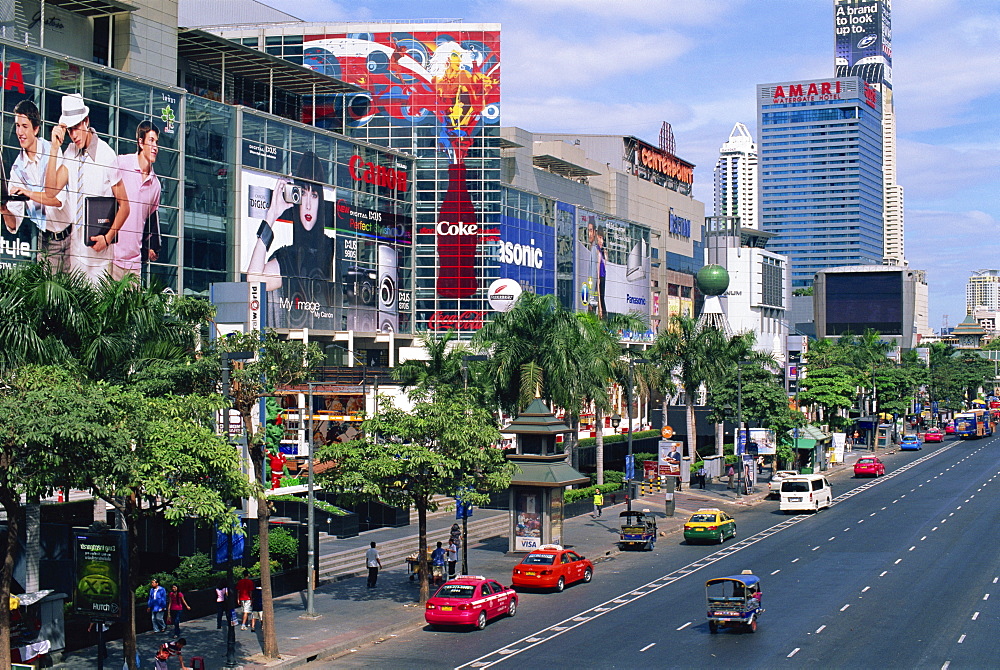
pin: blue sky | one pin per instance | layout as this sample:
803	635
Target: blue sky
624	67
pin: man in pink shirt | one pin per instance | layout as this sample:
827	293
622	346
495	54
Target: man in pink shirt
143	190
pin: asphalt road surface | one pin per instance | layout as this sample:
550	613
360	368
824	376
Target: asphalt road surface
902	572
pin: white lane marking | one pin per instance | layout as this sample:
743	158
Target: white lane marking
934	528
884	573
832	538
895	501
545	635
865	589
912	548
820	629
923	538
861	520
845	607
898	561
975	616
653	644
846	529
873	514
961	639
959	507
815	548
951	514
794	651
681	628
776	572
946	665
986	597
995	579
883	509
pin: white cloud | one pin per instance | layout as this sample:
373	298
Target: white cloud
676	12
948	251
933	172
533	62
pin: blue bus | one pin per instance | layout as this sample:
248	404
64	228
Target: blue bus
973	423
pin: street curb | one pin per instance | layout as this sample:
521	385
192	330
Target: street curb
329	653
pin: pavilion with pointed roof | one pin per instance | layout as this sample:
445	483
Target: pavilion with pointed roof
542	473
969	333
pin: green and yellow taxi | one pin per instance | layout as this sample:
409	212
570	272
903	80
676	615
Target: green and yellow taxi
709	525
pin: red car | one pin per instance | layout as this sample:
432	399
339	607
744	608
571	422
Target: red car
551	567
949	428
470	601
933	435
869	466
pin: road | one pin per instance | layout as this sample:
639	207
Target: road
900	573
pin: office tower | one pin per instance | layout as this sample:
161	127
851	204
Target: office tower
736	178
983	290
863	31
820	185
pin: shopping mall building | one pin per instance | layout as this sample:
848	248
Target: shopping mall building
351	183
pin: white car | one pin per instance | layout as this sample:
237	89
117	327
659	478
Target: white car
775	485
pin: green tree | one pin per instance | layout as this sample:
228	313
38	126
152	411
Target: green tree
440	373
55	430
438	448
691	353
277	363
830	390
178	468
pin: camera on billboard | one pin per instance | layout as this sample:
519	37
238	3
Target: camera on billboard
360	286
292	194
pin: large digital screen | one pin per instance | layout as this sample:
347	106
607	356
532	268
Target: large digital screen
861	300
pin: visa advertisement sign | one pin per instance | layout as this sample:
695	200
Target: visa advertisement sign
526	252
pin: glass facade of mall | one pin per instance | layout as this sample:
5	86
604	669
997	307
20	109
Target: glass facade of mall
820	173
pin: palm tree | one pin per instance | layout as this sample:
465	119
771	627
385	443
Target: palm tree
692	353
441	372
533	350
738	349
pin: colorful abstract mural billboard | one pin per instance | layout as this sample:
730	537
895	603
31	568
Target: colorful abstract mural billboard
441	85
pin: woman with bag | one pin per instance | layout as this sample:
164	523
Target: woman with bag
176	604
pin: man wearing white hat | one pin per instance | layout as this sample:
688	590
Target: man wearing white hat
88	167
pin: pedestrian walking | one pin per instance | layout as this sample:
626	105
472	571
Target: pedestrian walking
156	605
731	472
438	557
175	610
221	596
452	558
598	503
373	562
244	591
701	477
257	605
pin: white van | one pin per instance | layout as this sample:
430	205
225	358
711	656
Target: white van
803	493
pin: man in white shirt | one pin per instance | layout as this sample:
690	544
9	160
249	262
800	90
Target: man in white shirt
88	168
27	177
373	562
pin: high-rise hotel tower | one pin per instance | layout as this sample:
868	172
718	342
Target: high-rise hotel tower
863	31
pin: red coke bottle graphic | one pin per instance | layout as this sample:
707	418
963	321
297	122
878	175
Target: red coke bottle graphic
457	239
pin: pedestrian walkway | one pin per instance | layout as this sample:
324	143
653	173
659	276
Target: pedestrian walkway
351	615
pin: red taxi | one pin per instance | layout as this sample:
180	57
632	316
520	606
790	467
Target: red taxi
551	567
869	465
933	435
470	601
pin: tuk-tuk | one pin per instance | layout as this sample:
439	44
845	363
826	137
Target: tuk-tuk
638	529
734	601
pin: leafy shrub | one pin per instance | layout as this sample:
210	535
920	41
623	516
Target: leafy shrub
611	439
284	548
319	504
588	493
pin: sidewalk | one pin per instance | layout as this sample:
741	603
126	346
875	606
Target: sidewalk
352	615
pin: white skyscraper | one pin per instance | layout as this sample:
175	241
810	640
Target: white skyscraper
863	44
736	178
983	291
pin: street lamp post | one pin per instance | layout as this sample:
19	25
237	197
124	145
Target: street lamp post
311	520
465	512
631	383
226	358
